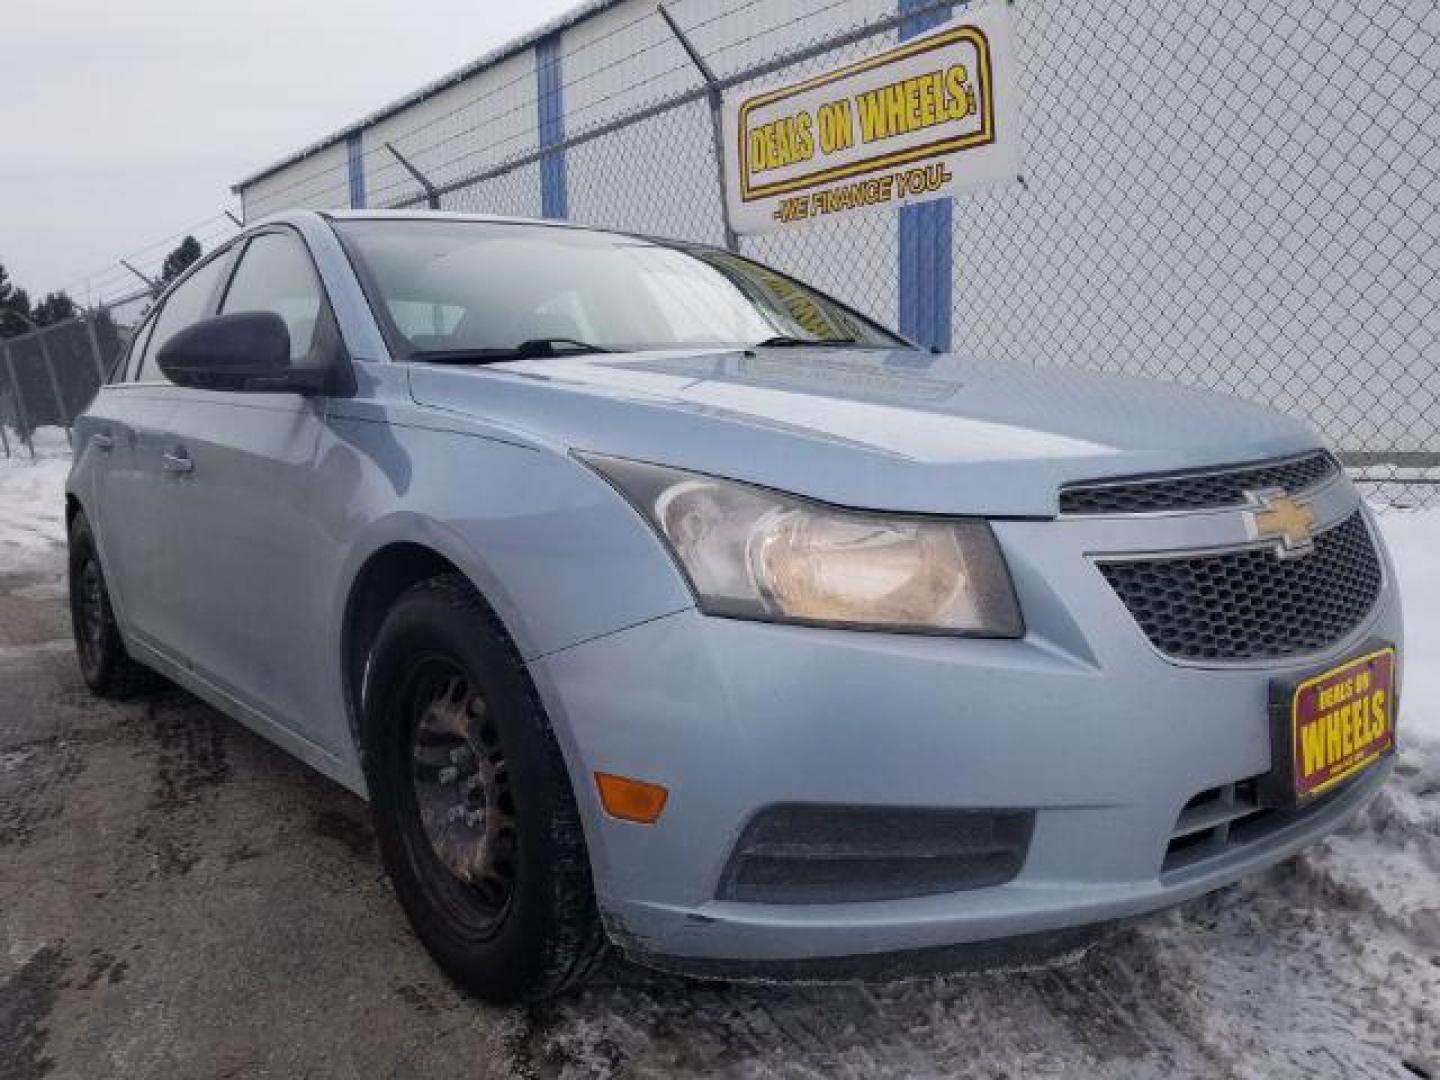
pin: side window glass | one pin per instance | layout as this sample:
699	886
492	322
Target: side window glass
187	305
128	369
275	275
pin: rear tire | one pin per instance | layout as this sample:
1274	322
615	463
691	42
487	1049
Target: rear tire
473	809
104	664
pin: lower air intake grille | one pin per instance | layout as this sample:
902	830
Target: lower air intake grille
807	854
1218	821
1251	605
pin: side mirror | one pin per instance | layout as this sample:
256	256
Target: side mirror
247	350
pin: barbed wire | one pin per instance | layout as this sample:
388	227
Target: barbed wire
103	286
526	77
526	104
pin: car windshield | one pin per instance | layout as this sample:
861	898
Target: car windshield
469	291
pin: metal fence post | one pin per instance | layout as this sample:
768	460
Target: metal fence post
100	369
153	285
63	413
432	197
20	414
717	121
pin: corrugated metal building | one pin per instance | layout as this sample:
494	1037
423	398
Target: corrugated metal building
1241	194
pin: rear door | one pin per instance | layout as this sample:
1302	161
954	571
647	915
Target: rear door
244	537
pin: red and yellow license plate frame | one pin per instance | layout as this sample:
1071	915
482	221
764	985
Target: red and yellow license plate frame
1336	724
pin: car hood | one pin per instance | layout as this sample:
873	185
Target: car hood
881	429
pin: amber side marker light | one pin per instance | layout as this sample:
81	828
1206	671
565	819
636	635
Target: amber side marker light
631	800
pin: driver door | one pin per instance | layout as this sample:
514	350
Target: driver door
245	539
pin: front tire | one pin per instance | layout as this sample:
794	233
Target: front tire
473	809
104	664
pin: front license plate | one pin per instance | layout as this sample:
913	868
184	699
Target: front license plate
1334	725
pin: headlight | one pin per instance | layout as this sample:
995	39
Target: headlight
752	553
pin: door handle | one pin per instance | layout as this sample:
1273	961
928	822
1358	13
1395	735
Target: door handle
103	441
178	461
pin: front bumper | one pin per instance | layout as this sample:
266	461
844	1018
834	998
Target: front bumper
1080	721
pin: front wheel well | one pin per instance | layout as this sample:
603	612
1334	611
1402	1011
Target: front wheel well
384	577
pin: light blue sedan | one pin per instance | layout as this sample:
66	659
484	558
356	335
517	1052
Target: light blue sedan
655	598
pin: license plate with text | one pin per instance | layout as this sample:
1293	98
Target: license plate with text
1342	721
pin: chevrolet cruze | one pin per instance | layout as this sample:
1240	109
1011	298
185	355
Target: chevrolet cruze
652	597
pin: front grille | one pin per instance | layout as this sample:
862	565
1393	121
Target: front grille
1208	490
812	854
1251	605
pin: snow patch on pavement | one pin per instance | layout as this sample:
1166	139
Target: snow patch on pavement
32	503
1413	538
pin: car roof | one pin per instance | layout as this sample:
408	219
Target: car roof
298	217
294	216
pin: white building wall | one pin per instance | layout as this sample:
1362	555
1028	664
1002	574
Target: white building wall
319	181
459	131
616	63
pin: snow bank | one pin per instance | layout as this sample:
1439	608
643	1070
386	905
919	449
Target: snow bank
1414	540
32	503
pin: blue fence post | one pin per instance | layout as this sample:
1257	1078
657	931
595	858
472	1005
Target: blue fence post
550	101
355	156
927	272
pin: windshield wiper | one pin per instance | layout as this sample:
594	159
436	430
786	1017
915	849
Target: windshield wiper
531	347
785	341
556	346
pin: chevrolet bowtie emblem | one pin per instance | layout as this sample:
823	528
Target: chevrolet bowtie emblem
1277	517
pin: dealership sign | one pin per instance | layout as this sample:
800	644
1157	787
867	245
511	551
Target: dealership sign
921	121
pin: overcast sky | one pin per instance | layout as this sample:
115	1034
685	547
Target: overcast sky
127	123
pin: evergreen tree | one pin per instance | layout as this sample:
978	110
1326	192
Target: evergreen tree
186	253
15	316
55	308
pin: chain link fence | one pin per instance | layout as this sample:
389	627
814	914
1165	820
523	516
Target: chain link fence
1242	196
48	377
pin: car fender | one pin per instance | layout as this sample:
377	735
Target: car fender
530	527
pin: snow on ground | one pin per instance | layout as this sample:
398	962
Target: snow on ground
1414	541
32	502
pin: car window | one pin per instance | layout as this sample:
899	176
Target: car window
275	275
128	370
458	286
186	305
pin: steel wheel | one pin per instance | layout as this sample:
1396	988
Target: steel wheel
104	664
89	614
475	817
462	786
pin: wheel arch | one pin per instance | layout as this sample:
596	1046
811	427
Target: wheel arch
386	573
380	579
